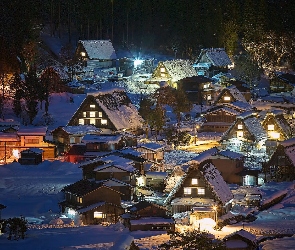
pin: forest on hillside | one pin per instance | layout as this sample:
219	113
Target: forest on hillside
182	27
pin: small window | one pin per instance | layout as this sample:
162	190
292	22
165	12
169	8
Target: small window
209	97
187	190
84	114
163	75
162	70
206	86
226	98
104	122
92	106
201	191
92	114
240	126
83	54
240	134
194	181
271	127
99	114
81	122
99	215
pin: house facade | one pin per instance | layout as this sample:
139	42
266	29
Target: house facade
109	110
152	151
282	82
96	54
281	165
171	72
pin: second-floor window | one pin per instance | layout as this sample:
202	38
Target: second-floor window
226	98
92	114
194	181
201	191
270	127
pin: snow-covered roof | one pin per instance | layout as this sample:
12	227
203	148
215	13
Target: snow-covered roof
123	243
179	69
244	234
81	129
152	146
93	206
217	56
115	168
159	175
255	128
216	181
32	131
119	109
205	155
288	143
222	108
238	96
92	138
231	154
99	49
33	150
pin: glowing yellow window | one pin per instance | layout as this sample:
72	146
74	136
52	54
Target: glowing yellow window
275	135
81	121
104	122
99	114
83	54
226	98
270	127
194	181
92	113
92	106
162	70
240	126
92	121
99	215
201	191
240	134
187	190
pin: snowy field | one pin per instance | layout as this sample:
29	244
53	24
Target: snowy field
34	191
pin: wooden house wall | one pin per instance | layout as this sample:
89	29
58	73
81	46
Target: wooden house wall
151	211
229	169
122	176
195	174
279	167
169	227
102	194
151	155
220	116
111	213
271	120
224	93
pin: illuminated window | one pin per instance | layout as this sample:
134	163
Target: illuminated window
104	122
240	126
81	121
240	134
83	54
99	215
187	190
99	114
79	199
84	114
92	121
194	181
209	97
274	135
206	86
271	127
92	106
201	191
92	114
226	98
162	70
163	75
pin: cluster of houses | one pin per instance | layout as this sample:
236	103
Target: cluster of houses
118	171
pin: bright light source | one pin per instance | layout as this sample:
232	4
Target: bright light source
15	153
140	181
137	62
71	211
274	135
83	54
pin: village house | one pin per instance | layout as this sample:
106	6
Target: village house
281	165
198	89
171	72
242	87
282	82
230	95
201	187
240	240
110	110
91	202
148	216
12	142
65	136
246	129
152	151
277	128
95	54
219	119
212	61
